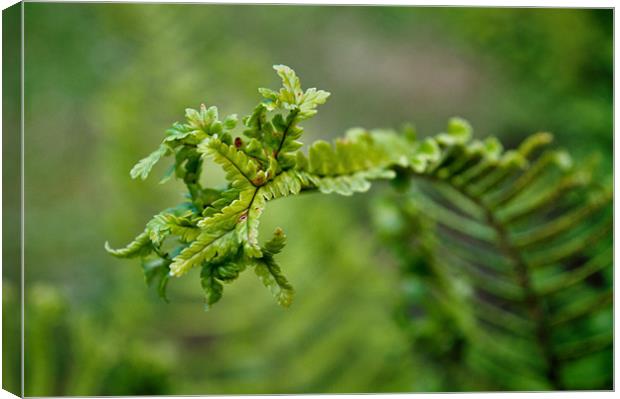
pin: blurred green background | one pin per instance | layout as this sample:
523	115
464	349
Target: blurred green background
103	82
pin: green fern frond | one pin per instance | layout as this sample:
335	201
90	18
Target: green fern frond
271	276
140	246
144	166
247	227
270	273
503	240
209	247
528	232
241	171
184	228
212	288
157	273
280	136
292	97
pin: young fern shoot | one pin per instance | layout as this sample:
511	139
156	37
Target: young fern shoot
217	230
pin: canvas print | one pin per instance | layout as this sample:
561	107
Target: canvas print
283	199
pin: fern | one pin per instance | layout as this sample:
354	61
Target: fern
489	216
217	230
513	251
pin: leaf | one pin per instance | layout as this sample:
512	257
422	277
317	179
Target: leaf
156	272
208	247
354	183
230	122
168	175
241	171
158	229
140	246
322	159
291	92
181	227
212	288
291	96
271	276
229	215
284	184
311	99
459	131
507	242
179	133
277	243
229	271
247	220
205	120
144	166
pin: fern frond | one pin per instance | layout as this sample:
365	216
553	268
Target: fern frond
271	276
241	171
269	272
183	227
350	184
247	227
227	217
140	246
144	166
507	251
157	273
291	96
284	184
538	215
176	221
208	247
211	286
280	136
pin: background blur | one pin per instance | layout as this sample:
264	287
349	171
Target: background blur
103	82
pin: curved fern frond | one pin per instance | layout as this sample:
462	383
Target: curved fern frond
509	251
269	272
140	246
528	232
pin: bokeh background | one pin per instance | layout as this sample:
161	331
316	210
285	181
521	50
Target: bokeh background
103	82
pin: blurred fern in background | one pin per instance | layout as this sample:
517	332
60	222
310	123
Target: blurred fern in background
62	358
507	269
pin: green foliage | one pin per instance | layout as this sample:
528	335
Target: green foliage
510	247
217	229
536	50
62	360
513	251
269	272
